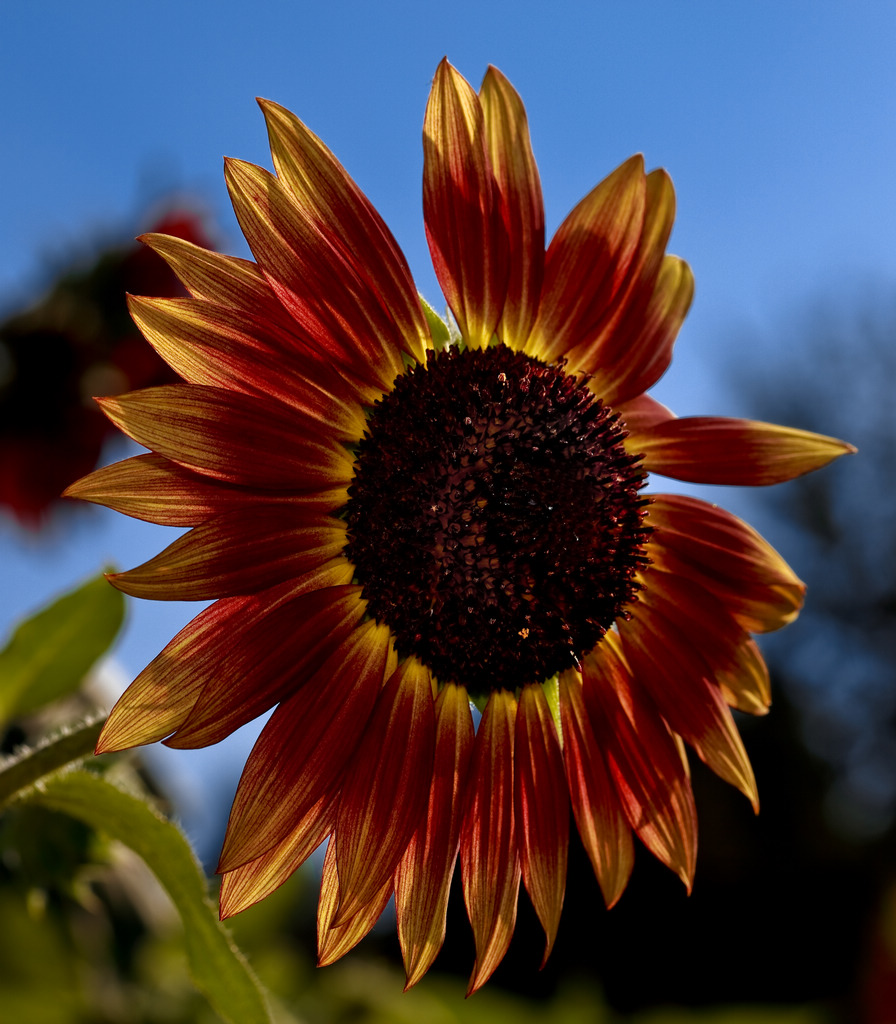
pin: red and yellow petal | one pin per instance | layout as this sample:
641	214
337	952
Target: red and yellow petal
305	746
489	857
716	450
423	876
519	201
318	287
241	287
163	694
643	337
721	553
460	207
210	345
155	489
542	809
673	642
329	199
269	653
335	940
387	787
746	686
220	433
250	883
240	552
645	764
587	262
223	281
640	415
602	823
615	348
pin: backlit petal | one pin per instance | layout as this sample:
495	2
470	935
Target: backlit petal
330	200
490	865
210	345
615	348
715	450
643	337
252	882
156	489
460	207
726	556
220	433
644	761
588	260
423	877
222	280
519	200
313	281
387	787
163	694
641	414
335	940
238	285
240	552
746	685
542	809
603	826
305	745
673	642
275	657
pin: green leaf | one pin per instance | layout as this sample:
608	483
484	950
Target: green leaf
51	652
218	968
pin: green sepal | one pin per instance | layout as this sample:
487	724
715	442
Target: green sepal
454	332
479	701
441	336
551	689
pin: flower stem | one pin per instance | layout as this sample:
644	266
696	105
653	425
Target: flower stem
29	766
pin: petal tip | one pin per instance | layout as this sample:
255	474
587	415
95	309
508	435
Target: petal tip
228	906
108	743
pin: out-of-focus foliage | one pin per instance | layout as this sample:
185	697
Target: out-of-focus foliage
75	343
366	989
216	966
50	653
834	369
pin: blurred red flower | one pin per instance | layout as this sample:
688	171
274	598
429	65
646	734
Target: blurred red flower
77	342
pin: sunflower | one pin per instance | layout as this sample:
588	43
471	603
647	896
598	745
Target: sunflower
402	519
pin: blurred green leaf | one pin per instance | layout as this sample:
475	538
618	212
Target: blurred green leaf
218	968
51	652
38	977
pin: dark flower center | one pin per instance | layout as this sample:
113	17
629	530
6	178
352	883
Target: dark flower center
495	520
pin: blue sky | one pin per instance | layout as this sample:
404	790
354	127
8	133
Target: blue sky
776	121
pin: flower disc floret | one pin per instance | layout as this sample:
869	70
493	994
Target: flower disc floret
495	517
